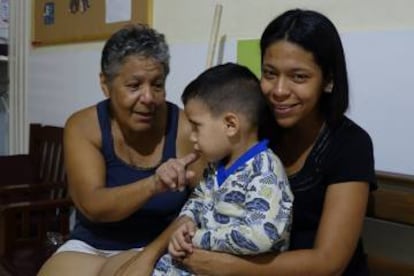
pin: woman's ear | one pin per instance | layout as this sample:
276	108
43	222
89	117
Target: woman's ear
328	87
104	86
231	123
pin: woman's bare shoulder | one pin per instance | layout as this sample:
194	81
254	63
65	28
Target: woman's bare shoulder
84	123
184	145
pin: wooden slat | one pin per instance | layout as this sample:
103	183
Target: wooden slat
392	205
385	266
394	199
404	179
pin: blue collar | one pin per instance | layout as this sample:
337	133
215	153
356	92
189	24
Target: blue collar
223	173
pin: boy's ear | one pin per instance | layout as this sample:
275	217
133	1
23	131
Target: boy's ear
104	85
231	123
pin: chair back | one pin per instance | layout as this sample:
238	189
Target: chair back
33	207
46	151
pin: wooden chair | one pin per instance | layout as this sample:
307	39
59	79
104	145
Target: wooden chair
34	201
35	172
389	227
24	233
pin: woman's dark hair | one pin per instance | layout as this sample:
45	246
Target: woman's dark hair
230	88
316	34
137	39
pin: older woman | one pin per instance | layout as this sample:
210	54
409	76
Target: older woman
127	159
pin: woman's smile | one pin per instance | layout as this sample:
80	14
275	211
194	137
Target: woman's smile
284	109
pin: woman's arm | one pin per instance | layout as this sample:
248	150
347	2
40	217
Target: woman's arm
86	173
140	263
336	240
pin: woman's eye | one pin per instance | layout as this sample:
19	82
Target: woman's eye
299	78
133	86
268	74
159	85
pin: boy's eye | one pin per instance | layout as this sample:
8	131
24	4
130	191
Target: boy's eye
194	126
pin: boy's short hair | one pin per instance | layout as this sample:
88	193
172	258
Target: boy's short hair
229	88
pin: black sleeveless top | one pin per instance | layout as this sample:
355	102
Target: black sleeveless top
150	220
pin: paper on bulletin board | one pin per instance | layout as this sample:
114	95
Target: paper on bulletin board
117	11
4	21
248	54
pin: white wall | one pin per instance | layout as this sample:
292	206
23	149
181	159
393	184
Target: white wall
381	93
68	74
61	80
65	78
190	20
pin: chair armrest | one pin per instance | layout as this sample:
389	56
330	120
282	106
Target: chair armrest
18	220
35	205
22	164
29	187
30	192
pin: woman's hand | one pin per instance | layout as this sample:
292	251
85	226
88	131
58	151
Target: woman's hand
201	262
173	174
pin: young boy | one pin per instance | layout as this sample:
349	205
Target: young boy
244	203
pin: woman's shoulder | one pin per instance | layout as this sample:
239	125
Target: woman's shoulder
185	146
183	132
183	143
84	123
349	131
81	117
351	155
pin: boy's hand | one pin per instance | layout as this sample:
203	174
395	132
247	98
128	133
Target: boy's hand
180	244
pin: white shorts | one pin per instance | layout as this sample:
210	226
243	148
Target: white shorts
83	247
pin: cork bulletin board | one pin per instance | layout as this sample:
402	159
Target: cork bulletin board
73	21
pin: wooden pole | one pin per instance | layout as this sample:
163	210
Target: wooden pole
212	45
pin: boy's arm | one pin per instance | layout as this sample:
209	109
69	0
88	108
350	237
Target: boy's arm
193	208
266	221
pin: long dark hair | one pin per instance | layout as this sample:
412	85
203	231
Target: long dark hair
315	33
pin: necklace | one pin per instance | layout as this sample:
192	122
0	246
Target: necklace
137	164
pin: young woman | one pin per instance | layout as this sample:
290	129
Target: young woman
328	158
